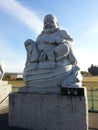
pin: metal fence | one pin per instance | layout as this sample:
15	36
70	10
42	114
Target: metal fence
92	99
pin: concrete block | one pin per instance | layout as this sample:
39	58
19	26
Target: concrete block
5	89
48	111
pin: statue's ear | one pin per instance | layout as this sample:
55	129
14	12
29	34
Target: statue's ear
58	24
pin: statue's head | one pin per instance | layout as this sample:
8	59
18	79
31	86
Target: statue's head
50	23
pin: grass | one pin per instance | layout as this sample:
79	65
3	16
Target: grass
90	82
90	79
16	84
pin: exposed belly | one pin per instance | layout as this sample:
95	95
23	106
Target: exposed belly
46	46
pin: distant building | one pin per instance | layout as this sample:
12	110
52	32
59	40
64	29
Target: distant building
19	76
14	76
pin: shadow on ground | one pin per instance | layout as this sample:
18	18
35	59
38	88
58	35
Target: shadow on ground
4	121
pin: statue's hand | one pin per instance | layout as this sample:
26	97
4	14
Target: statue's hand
61	50
42	56
51	55
28	41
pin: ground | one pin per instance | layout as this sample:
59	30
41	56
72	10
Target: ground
4	121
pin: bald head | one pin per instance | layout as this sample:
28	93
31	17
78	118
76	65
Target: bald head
50	23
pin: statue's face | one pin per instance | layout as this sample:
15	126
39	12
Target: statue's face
50	23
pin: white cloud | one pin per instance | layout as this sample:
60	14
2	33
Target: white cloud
29	18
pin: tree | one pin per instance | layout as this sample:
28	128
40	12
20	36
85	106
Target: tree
85	73
93	70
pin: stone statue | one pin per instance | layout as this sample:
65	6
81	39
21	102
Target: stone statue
1	72
50	59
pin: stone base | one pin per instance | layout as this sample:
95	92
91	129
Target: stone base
48	111
5	89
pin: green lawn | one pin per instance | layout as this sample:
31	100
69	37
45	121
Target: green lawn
90	82
16	85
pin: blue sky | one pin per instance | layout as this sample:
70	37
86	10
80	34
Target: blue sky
23	19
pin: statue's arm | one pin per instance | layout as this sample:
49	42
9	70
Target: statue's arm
2	72
62	49
32	51
66	36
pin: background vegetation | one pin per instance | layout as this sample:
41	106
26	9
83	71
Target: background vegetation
93	70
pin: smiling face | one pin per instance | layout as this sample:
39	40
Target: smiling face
50	23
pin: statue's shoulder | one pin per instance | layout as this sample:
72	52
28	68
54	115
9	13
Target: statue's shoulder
65	35
63	32
39	37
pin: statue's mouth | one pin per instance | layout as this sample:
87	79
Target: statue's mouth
48	26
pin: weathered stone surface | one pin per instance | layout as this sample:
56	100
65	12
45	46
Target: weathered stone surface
3	83
1	71
51	67
5	89
40	90
50	59
48	111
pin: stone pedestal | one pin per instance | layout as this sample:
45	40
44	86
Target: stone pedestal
5	89
48	111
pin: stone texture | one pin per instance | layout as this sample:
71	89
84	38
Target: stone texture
1	71
50	111
3	83
5	89
50	59
50	68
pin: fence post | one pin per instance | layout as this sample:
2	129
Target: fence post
92	99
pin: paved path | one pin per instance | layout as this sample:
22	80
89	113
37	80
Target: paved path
4	121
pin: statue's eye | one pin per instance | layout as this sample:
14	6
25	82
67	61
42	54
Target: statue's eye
48	21
51	21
